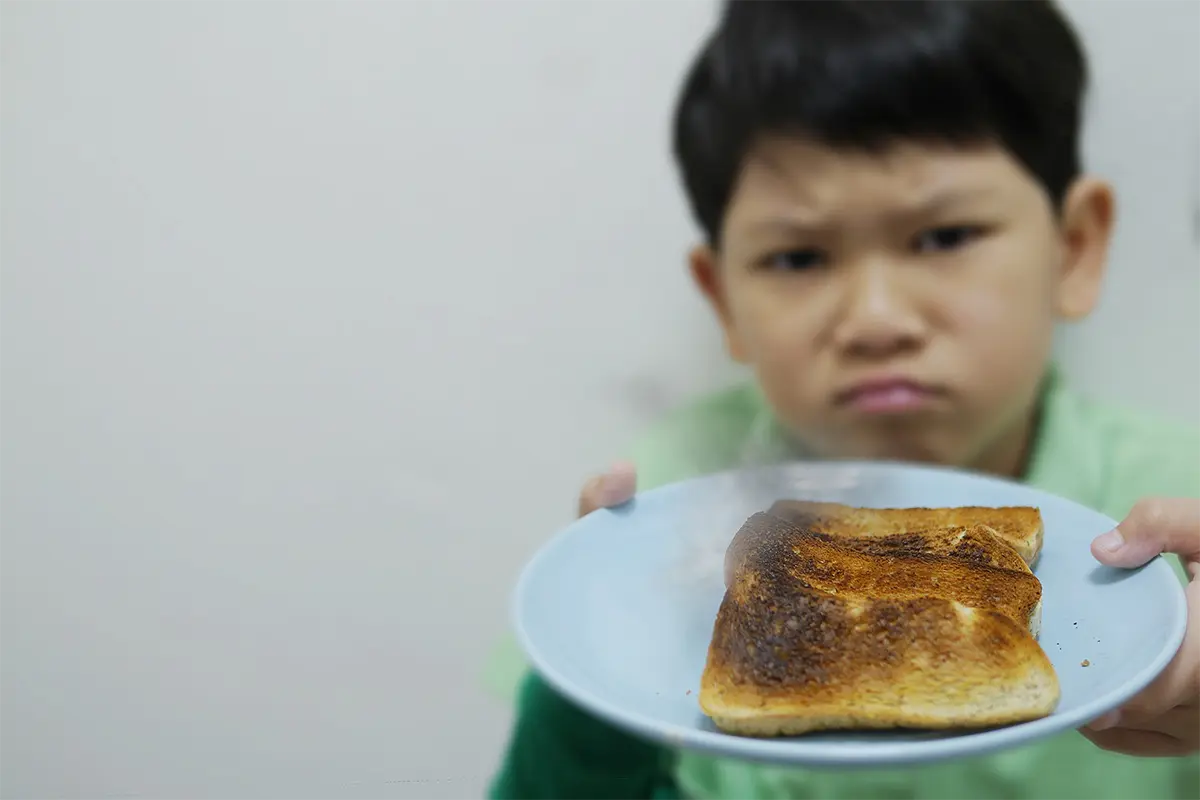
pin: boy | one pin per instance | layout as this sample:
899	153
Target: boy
895	219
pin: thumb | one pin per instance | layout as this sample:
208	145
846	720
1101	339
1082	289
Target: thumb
1154	526
610	489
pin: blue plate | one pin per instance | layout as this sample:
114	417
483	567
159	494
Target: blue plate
616	611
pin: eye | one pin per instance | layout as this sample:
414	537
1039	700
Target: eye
947	237
794	260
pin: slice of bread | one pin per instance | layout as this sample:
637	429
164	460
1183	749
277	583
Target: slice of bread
822	628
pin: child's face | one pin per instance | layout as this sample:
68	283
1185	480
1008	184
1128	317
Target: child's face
901	305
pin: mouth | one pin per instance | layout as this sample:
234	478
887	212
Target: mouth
888	396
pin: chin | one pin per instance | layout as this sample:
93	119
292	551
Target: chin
911	456
908	449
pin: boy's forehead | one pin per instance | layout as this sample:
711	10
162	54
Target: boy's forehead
811	179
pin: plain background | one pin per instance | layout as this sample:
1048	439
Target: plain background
316	315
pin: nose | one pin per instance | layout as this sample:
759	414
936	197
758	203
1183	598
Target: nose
877	319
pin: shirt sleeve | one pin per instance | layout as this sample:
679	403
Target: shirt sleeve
1157	459
706	437
558	751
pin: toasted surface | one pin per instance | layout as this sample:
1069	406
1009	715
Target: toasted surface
823	629
900	567
809	661
959	565
978	544
1018	526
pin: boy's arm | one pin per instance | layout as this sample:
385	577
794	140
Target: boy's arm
559	751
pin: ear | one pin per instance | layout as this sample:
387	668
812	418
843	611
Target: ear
1086	223
705	266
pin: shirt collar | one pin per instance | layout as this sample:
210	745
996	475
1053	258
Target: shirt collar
1066	458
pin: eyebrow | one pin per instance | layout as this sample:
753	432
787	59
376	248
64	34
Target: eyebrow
934	203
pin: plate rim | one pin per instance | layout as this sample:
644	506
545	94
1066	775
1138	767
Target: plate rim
796	751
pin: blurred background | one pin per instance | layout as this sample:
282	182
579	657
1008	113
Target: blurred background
315	316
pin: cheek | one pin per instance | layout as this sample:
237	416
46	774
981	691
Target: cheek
1005	322
774	327
987	311
778	334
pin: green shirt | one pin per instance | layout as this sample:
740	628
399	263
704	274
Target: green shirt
1099	456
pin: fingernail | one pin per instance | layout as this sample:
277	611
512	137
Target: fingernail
616	485
1111	541
621	468
1109	720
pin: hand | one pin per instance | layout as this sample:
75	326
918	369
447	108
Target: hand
1164	719
610	489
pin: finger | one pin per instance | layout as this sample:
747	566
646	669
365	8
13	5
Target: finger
1110	720
1177	685
1138	743
1178	723
1154	526
1166	691
610	489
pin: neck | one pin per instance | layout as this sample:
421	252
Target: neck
1010	456
1012	453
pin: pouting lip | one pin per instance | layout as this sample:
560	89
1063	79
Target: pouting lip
883	383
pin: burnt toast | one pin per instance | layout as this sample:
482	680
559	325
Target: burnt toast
824	628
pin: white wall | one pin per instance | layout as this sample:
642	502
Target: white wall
1142	347
310	332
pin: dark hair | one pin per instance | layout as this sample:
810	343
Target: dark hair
868	73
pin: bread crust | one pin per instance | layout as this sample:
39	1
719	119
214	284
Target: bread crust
1020	527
